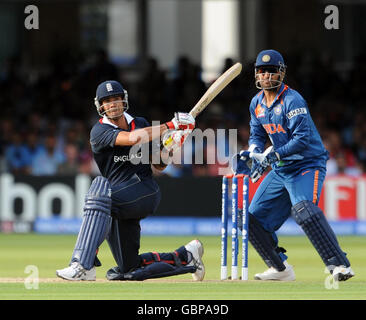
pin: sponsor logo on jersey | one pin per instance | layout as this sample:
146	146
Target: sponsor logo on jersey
259	111
296	112
272	128
125	158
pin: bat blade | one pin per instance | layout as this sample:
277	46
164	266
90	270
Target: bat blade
220	83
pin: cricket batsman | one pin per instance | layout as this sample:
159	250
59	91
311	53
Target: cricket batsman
126	192
292	188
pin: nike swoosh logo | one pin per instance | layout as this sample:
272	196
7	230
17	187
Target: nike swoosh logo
305	172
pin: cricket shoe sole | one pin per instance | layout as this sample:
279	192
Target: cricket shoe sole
342	273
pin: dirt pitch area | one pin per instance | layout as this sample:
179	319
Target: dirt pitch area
58	280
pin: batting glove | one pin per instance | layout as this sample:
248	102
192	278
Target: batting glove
181	121
174	139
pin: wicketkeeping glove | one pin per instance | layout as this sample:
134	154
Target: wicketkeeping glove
241	163
263	160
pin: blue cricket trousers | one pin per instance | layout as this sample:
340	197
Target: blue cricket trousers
278	192
132	201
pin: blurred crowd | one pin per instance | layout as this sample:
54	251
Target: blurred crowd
47	116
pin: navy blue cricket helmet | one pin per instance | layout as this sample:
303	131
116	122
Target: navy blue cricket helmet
110	88
270	61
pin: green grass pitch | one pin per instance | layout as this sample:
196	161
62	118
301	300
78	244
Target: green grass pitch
51	252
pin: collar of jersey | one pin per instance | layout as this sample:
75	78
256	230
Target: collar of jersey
283	88
128	117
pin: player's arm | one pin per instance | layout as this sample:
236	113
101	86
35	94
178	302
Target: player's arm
258	136
181	121
138	136
241	162
299	127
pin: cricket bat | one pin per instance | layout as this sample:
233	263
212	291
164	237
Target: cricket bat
220	83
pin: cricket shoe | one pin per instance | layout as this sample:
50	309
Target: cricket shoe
76	272
342	273
195	247
115	274
272	274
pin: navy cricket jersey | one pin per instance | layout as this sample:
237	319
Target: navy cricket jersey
290	128
119	163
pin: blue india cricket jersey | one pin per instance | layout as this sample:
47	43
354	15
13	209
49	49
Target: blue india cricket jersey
290	128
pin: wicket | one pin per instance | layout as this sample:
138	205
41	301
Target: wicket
239	208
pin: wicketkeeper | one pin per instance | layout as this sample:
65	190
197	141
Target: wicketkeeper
292	188
126	192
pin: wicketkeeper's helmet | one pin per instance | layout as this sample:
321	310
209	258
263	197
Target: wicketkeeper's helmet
270	61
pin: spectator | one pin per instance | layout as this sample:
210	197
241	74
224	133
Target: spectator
340	157
47	160
6	131
71	164
87	162
32	147
152	84
343	169
66	88
16	155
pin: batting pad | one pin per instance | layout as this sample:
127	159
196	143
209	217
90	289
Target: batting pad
96	222
313	222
